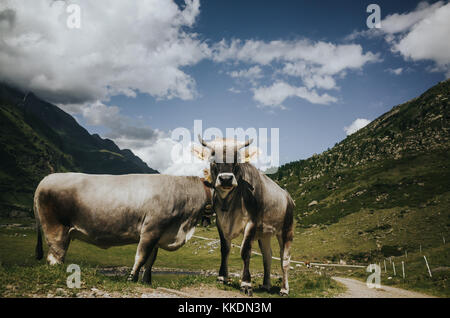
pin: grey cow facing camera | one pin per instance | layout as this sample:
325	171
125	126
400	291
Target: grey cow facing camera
156	211
249	202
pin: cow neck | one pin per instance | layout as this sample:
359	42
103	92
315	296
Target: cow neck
228	201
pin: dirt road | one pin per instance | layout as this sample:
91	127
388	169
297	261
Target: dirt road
357	289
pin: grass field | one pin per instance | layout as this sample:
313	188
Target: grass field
22	276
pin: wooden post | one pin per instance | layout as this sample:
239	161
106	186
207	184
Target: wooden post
406	253
426	262
393	266
443	239
403	269
385	266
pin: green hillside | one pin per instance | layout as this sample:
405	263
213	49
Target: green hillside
398	163
38	138
399	159
383	191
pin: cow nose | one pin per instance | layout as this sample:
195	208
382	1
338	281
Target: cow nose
226	180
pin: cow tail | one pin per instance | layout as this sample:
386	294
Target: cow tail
39	251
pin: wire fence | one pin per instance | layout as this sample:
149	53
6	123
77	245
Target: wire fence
391	260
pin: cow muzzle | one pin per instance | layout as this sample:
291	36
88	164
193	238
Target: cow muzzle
226	181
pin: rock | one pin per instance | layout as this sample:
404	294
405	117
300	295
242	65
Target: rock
312	203
18	214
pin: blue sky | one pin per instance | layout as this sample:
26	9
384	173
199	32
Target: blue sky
305	128
389	69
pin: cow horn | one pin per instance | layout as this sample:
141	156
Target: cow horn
246	143
204	143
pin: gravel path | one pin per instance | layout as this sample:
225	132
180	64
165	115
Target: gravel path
358	289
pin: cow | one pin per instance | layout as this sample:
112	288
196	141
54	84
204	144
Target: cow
155	211
249	202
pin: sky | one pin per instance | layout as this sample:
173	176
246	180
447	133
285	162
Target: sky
136	71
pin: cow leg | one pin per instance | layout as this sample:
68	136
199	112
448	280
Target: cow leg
58	239
246	251
266	251
146	245
147	277
285	256
225	246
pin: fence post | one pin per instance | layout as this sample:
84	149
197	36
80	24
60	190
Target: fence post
403	268
426	262
393	266
385	266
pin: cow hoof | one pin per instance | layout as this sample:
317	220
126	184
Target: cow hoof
265	287
284	292
247	289
223	280
132	278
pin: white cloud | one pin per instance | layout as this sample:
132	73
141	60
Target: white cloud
356	125
120	126
330	58
254	72
142	47
428	39
396	23
275	95
234	90
153	146
121	48
395	71
166	155
317	64
421	34
312	77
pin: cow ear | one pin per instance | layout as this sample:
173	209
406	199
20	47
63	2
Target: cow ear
207	175
201	152
249	153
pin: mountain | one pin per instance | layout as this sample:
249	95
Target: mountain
382	190
38	138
